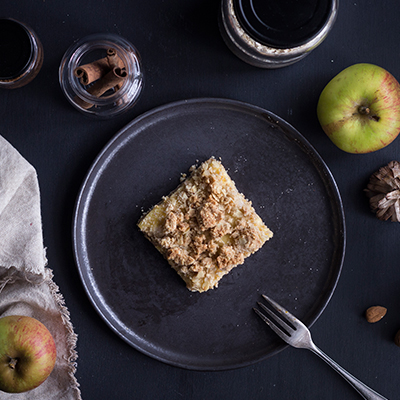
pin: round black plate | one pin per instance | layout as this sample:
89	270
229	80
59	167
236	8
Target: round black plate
133	288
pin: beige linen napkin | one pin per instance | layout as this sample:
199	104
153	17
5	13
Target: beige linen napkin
26	284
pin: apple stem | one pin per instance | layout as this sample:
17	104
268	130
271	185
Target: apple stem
12	363
363	110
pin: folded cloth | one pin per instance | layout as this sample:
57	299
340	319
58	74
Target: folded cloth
26	283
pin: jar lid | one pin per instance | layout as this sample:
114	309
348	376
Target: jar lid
283	23
16	49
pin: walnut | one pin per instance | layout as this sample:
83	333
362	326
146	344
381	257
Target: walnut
383	191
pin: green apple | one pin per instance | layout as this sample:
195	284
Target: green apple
359	109
27	353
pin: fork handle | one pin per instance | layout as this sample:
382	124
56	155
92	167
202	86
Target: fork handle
364	390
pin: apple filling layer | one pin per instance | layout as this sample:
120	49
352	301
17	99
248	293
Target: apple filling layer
205	227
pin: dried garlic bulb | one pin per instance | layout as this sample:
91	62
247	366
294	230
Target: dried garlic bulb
383	191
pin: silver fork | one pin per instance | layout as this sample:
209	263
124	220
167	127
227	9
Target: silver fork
297	335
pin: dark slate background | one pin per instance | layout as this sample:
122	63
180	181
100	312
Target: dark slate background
185	57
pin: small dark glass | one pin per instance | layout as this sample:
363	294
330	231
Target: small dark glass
283	23
21	54
272	33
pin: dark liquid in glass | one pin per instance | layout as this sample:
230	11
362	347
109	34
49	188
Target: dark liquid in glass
283	23
15	49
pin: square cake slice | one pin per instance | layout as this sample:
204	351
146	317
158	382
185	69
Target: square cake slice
205	227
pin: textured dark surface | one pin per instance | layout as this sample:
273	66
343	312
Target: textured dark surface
134	288
185	57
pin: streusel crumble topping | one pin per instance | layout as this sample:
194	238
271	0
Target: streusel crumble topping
205	227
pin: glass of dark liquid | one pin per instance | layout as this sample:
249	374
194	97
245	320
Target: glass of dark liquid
275	33
21	54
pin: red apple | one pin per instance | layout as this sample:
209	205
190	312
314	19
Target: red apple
359	109
27	353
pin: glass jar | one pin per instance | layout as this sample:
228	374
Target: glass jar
272	33
22	54
95	96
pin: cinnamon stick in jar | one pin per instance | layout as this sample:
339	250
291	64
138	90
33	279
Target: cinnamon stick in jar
112	80
93	71
102	74
113	59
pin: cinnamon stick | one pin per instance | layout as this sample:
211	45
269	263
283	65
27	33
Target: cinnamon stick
111	80
114	60
93	71
104	74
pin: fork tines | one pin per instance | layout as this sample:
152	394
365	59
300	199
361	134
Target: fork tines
280	321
